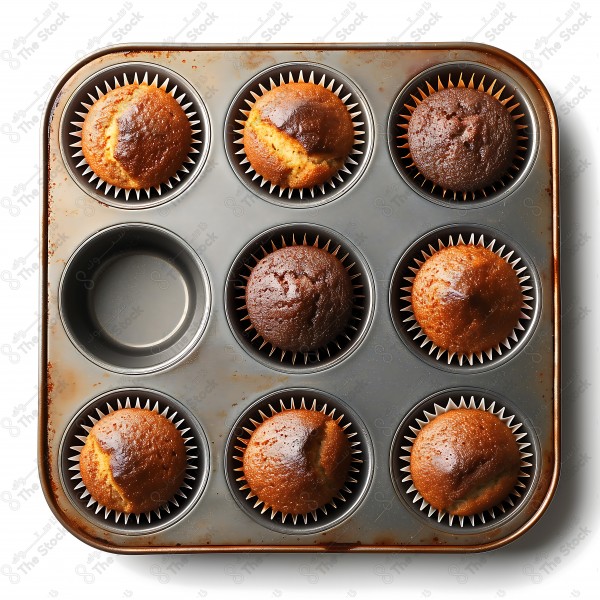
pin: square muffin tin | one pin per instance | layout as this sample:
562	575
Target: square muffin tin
113	259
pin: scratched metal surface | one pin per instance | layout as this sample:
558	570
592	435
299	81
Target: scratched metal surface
382	380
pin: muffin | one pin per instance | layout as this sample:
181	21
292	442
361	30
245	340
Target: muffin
298	135
465	461
462	139
299	298
133	460
466	299
297	461
136	136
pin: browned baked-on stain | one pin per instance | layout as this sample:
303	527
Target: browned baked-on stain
258	383
339	547
384	540
49	381
541	489
253	59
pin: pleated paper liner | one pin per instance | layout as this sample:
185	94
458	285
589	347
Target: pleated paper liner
474	76
103	82
443	402
408	327
130	523
307	72
349	496
290	235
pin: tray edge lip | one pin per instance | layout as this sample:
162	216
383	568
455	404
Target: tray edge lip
42	450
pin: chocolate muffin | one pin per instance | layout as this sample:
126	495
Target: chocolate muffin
465	461
466	299
299	298
133	460
298	135
297	461
462	139
136	136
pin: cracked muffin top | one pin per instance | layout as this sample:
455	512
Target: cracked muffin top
299	298
462	139
297	461
298	135
136	136
133	460
466	298
465	461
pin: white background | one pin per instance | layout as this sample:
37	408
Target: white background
558	558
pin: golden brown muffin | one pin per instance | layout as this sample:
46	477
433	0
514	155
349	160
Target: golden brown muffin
133	460
462	139
298	135
465	461
136	136
299	298
297	461
466	298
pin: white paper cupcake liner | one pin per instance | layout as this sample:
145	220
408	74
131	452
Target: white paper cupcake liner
191	448
471	403
422	89
356	155
414	330
354	473
350	331
141	77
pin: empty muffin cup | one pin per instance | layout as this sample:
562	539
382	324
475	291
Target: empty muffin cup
310	444
444	356
298	301
465	399
134	298
173	163
486	165
301	130
172	509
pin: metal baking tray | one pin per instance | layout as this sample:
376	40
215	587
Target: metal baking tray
183	249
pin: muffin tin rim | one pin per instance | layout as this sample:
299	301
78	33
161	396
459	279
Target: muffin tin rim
467	230
202	327
417	409
203	449
502	194
179	188
346	352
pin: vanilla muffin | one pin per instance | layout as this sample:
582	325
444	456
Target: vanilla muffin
298	135
136	136
297	461
466	298
133	460
465	461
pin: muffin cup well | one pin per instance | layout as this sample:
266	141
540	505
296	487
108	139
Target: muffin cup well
466	75
103	82
443	402
401	306
134	298
131	523
349	496
307	72
291	235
